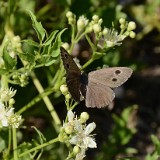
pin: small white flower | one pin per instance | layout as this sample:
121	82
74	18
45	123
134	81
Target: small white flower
8	118
7	94
5	114
83	137
112	38
82	22
68	127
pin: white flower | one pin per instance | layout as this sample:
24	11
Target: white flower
6	94
112	38
82	22
83	137
7	117
5	114
68	127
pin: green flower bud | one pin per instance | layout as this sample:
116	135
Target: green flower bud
95	18
122	21
76	150
80	24
65	45
64	89
105	31
132	34
68	96
68	129
11	102
96	28
84	117
131	26
69	14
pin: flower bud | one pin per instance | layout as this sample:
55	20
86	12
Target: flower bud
65	46
11	102
68	96
84	117
68	129
122	21
80	24
96	28
105	31
64	89
131	26
132	34
69	14
95	18
76	150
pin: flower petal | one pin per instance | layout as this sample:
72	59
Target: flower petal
90	127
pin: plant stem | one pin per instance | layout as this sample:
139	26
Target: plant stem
15	154
47	101
40	146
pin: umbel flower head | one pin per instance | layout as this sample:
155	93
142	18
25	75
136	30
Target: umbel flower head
8	117
79	134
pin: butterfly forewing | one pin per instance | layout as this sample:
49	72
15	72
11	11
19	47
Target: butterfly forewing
111	77
73	74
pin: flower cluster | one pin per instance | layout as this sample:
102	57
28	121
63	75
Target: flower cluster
7	116
104	37
14	46
20	78
76	132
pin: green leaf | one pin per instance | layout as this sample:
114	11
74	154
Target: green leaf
50	38
37	26
3	71
27	57
57	44
10	62
31	42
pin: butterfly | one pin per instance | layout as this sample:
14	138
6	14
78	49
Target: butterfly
96	87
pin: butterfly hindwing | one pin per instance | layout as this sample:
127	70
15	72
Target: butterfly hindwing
98	95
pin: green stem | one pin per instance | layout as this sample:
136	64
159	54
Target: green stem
87	63
47	101
15	154
4	81
9	142
40	147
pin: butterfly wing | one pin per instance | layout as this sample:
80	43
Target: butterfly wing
98	95
73	74
111	77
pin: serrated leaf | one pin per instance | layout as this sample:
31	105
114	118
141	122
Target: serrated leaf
37	26
56	45
27	57
10	62
31	42
50	38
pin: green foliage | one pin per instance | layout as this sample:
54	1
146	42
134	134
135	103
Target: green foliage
156	153
120	136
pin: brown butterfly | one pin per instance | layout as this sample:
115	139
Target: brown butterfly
96	87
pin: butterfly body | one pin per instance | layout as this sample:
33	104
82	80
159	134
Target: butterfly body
96	87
